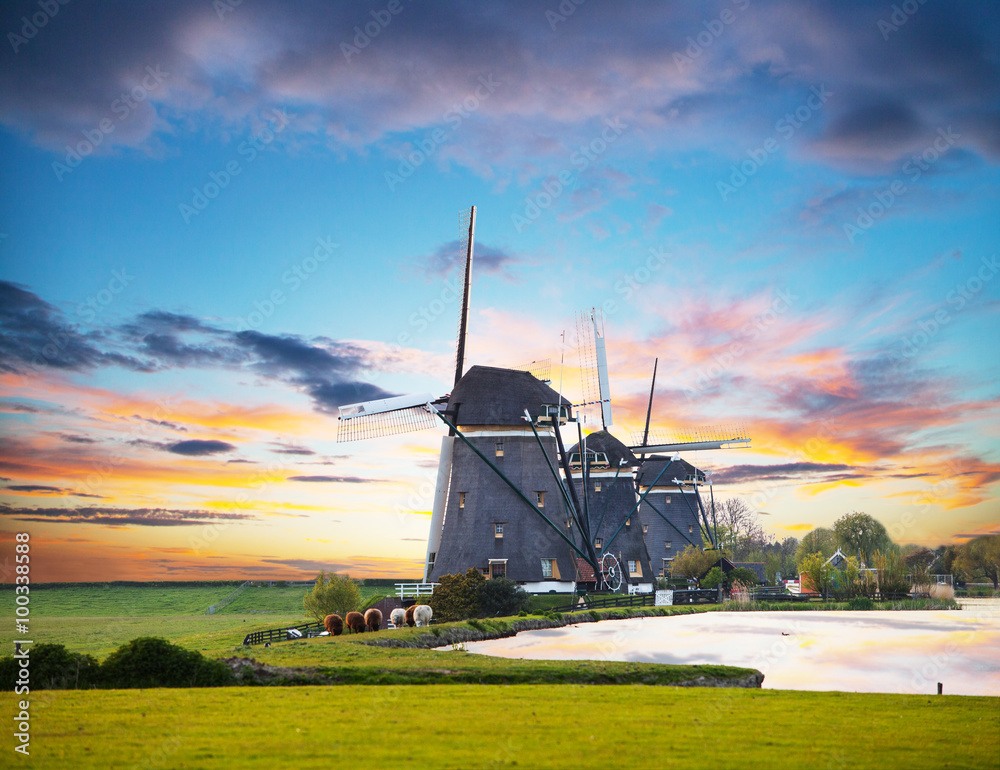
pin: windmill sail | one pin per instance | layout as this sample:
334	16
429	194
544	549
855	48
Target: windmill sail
596	391
404	414
713	437
385	417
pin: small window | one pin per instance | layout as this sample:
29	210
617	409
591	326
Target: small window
597	486
540	499
499	449
690	528
498	569
628	523
634	569
645	528
546	568
461	499
498	529
668	545
598	544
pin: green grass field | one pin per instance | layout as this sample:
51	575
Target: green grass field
487	726
493	713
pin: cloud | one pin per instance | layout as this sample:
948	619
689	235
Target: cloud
449	256
737	474
553	92
282	449
34	335
34	488
199	448
333	479
144	517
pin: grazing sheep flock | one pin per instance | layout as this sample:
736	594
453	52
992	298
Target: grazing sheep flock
416	615
373	619
334	624
356	622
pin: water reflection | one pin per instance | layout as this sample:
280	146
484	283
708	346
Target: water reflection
894	652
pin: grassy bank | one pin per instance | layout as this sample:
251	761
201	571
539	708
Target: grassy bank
504	726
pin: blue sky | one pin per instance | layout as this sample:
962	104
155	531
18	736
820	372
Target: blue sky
220	221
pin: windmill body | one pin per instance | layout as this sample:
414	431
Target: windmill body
670	512
610	491
484	524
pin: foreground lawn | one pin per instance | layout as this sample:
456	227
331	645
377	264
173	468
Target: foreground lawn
500	726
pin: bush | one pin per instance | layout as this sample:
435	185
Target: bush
337	595
457	597
744	576
152	662
712	578
53	667
860	603
891	570
501	597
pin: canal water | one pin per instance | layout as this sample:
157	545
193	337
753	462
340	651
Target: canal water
877	651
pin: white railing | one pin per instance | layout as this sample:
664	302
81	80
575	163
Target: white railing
403	590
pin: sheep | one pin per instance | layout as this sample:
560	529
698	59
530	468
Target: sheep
356	622
409	616
334	624
398	617
373	619
422	614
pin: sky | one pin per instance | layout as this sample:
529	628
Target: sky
222	220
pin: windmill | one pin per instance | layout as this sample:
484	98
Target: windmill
510	498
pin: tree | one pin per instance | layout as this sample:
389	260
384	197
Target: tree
818	571
712	578
338	594
742	575
740	528
980	557
693	562
458	597
820	540
858	534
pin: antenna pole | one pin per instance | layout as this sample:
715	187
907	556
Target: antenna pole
649	409
463	327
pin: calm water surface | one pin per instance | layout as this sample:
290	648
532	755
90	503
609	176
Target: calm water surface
892	652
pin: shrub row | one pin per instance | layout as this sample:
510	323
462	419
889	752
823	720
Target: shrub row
141	663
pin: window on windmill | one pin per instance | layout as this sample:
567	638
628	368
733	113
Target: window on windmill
540	499
628	523
690	528
498	529
499	449
668	545
461	499
645	528
547	568
634	569
597	486
598	543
